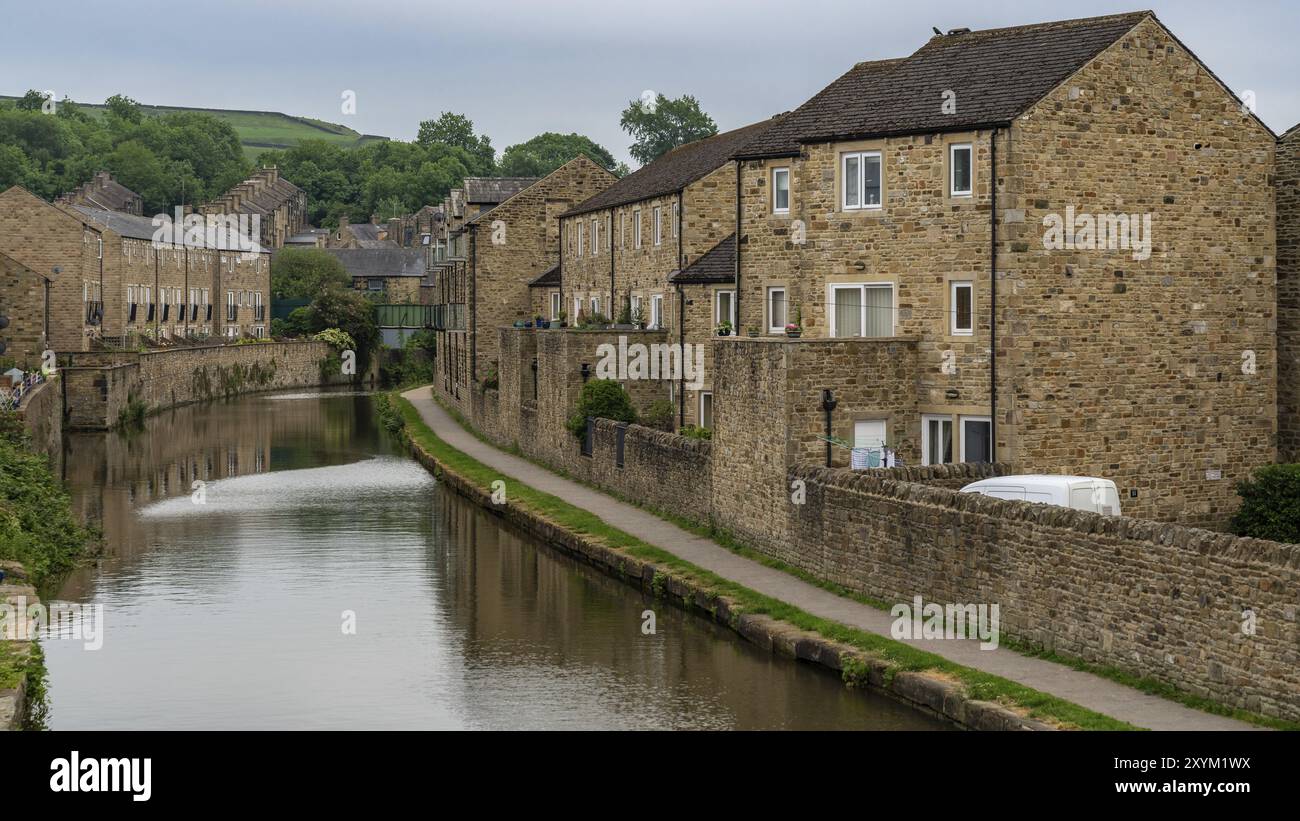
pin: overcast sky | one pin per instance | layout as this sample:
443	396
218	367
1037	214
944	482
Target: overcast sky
521	67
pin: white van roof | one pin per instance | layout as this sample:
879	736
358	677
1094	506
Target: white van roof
1052	478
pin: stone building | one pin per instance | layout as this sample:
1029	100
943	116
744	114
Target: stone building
505	246
389	275
110	282
280	205
105	193
371	235
657	247
1288	294
24	308
1108	308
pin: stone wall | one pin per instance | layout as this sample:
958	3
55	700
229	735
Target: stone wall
1161	601
1288	295
101	384
42	414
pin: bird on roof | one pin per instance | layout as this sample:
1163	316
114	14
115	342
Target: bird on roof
935	29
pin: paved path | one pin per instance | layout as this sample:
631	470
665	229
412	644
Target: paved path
1093	692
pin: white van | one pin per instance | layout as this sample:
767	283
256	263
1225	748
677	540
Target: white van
1078	492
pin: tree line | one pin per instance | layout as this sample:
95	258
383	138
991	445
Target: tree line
191	157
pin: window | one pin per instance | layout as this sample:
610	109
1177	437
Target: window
976	439
130	294
582	233
99	249
936	440
634	305
962	308
636	228
862	310
860	180
776	310
622	229
657	311
555	305
706	410
659	227
577	308
869	433
677	216
724	307
595	237
781	190
231	310
595	305
959	169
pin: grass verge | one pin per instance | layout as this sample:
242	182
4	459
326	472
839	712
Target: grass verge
725	539
898	656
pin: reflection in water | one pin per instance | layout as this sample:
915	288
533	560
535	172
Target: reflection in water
226	608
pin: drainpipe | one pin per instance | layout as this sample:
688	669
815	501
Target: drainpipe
472	324
681	337
739	316
609	239
563	309
993	295
828	405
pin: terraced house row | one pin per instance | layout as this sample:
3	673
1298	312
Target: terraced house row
77	276
1055	245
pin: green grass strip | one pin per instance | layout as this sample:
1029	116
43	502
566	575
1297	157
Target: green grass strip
900	657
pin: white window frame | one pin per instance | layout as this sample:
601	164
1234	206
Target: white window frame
830	305
658	225
699	419
595	236
952	169
861	157
577	307
595	305
953	287
943	419
773	327
555	305
656	311
636	227
779	172
677	217
582	235
634	304
717	307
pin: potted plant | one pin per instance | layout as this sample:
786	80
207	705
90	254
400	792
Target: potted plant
624	320
541	322
638	318
564	319
724	328
794	329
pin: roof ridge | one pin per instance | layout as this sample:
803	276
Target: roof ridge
1045	25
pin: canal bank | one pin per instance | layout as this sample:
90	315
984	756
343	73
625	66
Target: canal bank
950	678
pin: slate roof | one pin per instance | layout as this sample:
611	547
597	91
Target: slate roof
129	225
675	169
104	192
717	265
365	230
550	278
994	75
380	262
1290	132
495	189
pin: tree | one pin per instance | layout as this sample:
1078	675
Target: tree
457	131
33	100
302	273
546	152
663	125
124	109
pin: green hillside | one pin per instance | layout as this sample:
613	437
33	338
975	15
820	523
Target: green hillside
260	130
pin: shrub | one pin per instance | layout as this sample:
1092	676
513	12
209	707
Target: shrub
340	340
601	399
696	432
1270	504
659	415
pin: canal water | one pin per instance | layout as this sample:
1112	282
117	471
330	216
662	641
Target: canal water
279	562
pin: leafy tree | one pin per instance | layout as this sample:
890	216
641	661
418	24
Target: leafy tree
351	312
1270	504
457	131
14	169
33	100
302	273
124	109
546	152
664	125
601	399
